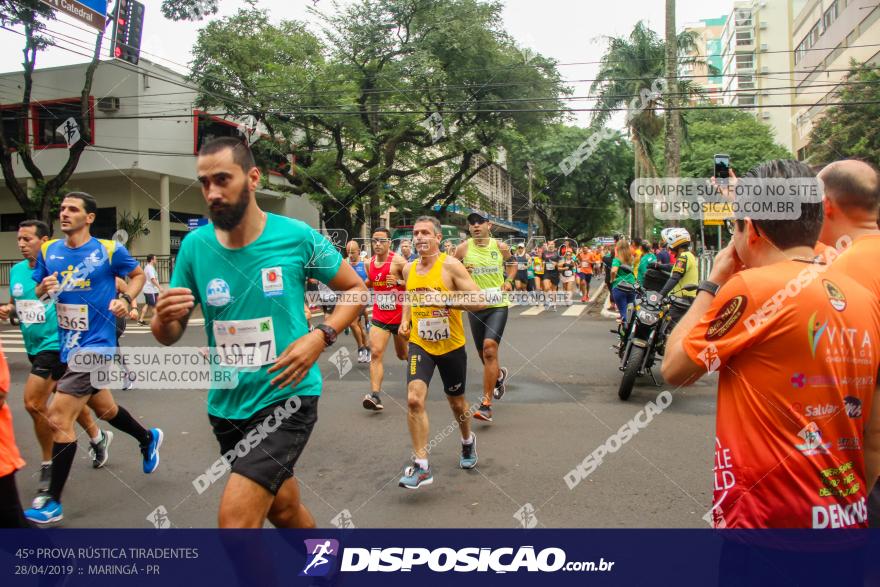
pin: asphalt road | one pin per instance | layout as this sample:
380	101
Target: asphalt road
561	405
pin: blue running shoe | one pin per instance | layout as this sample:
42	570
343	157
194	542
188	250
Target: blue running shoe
151	451
45	510
468	459
414	477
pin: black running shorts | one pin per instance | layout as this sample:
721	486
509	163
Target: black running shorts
392	328
452	367
265	447
47	364
552	277
487	324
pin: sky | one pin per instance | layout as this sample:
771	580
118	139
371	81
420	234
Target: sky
570	31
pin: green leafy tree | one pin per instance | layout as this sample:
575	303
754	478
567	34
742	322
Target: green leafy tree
724	130
632	75
850	130
402	104
584	203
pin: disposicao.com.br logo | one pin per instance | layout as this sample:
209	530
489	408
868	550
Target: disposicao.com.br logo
322	555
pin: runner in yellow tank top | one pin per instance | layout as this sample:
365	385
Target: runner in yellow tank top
436	340
489	263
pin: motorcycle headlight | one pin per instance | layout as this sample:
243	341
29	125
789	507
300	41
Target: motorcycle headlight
647	318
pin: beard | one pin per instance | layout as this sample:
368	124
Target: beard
228	216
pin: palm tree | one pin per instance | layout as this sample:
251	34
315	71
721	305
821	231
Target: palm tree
673	117
633	66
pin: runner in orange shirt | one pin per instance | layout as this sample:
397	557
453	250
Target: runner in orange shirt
851	206
11	515
796	347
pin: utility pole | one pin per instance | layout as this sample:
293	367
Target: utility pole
531	205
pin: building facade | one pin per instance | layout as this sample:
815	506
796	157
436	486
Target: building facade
758	63
709	50
141	161
827	35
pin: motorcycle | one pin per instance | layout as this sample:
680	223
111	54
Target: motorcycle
649	322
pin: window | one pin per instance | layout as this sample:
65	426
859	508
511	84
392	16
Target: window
744	38
745	82
104	225
745	61
743	17
14	129
746	100
9	222
211	127
48	116
830	15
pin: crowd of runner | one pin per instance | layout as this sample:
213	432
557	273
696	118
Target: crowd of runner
249	272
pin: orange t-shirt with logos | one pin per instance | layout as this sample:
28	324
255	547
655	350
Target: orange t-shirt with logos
10	459
795	345
586	263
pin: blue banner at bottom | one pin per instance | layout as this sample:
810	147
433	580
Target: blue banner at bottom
439	557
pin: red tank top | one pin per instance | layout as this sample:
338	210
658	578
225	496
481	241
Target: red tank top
386	307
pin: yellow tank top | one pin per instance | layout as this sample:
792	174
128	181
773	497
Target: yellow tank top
436	329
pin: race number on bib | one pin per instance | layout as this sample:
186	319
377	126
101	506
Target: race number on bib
387	301
434	329
550	266
73	316
245	343
567	273
30	311
521	266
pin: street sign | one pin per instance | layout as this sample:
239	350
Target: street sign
194	223
90	12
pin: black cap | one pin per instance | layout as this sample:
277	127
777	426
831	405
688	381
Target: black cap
475	217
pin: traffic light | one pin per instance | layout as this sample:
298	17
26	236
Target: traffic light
128	26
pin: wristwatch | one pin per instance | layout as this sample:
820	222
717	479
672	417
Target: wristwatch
708	287
125	297
329	333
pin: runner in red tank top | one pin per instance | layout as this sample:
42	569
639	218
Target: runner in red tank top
385	271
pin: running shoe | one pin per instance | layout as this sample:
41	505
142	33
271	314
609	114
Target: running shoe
368	356
414	477
151	451
468	459
372	401
45	478
500	385
361	355
100	450
45	510
484	413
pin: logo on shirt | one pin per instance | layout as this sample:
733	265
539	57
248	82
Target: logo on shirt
835	296
218	293
849	443
812	444
853	406
844	345
273	284
17	290
727	317
815	411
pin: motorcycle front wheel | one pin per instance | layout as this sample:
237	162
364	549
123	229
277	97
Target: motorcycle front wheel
630	372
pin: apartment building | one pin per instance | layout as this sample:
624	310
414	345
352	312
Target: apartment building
827	35
758	62
710	51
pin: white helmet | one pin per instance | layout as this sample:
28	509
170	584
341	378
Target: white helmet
675	236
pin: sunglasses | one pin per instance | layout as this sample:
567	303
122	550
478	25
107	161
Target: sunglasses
731	226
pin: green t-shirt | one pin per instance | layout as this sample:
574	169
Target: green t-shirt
486	266
252	297
622	275
38	323
647	259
